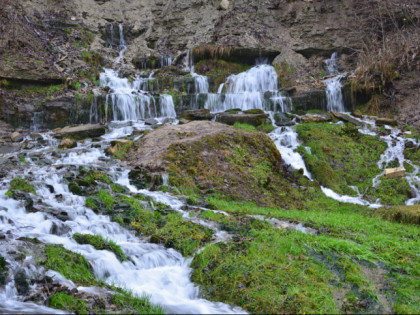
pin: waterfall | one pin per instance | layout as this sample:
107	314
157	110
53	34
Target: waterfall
122	47
334	94
246	90
167	108
331	65
37	121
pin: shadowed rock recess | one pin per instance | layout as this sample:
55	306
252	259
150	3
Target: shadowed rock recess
210	157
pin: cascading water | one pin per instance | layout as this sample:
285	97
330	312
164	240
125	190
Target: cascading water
334	94
131	100
331	65
247	90
151	269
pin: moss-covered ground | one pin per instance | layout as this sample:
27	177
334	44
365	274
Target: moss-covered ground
340	156
100	243
243	165
358	262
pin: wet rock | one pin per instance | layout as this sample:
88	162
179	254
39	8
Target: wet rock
75	189
81	132
386	121
59	229
151	121
16	137
139	178
357	113
316	118
251	119
197	114
396	172
21	282
346	118
67	143
28	201
281	119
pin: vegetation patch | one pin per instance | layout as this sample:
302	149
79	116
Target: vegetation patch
135	305
100	243
64	301
120	149
358	262
184	236
71	265
402	214
340	156
390	191
20	184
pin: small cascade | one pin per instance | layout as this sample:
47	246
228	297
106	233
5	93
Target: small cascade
167	108
122	47
37	121
286	141
334	94
331	65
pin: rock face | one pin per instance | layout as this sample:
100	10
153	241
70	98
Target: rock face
206	157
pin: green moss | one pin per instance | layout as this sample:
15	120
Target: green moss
119	150
74	188
71	265
100	243
266	128
92	204
135	305
340	156
391	191
241	165
106	198
64	301
246	127
260	273
20	184
181	235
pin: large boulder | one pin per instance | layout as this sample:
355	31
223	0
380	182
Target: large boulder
251	119
81	132
209	157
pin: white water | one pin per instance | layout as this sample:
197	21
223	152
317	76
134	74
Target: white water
152	269
285	139
334	94
331	65
128	103
246	91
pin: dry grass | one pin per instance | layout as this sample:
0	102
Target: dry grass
212	52
390	44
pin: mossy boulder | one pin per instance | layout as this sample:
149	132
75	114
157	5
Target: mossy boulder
208	157
251	119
